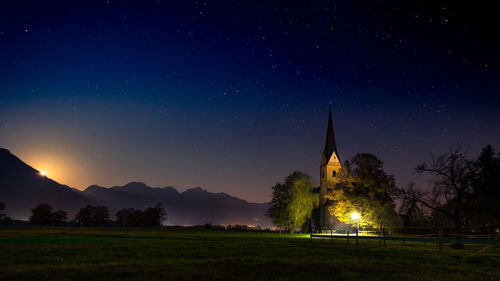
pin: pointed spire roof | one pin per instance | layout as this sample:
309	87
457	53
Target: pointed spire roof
331	144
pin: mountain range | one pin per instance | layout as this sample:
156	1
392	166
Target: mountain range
23	187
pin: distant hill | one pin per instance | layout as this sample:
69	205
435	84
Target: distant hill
22	187
194	206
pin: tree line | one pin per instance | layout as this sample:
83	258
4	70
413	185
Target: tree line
462	193
44	214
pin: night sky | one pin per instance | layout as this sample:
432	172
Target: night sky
233	96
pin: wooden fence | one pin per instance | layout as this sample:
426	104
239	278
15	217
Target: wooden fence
438	238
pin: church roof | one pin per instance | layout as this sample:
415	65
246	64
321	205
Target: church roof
331	144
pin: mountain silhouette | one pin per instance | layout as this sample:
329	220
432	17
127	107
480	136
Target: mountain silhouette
22	188
194	206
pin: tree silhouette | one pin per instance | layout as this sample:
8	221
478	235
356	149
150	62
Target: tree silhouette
2	214
100	215
41	215
150	217
4	219
124	216
154	216
452	175
90	215
484	207
59	217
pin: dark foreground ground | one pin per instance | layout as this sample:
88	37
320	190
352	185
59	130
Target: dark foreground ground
189	254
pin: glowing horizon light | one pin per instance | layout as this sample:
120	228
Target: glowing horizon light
355	216
43	173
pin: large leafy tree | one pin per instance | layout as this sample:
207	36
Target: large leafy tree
278	211
293	201
303	198
364	187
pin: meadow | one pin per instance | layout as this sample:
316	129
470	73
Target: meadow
59	253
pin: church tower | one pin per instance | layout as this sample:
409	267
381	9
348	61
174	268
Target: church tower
330	166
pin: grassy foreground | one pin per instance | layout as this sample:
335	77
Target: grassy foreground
193	254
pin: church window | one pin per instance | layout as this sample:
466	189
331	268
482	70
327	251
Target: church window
334	173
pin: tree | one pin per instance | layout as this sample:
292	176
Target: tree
154	216
2	214
84	215
90	215
100	215
293	202
316	213
484	206
41	215
4	220
413	214
364	187
278	211
124	216
150	217
452	175
59	217
303	199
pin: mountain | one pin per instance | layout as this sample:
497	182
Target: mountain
194	206
22	188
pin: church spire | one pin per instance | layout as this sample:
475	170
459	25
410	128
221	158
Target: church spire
330	145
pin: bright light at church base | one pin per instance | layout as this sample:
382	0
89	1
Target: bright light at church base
43	173
355	216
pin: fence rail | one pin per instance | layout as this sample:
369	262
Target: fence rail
431	238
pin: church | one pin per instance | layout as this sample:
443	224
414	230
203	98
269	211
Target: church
330	166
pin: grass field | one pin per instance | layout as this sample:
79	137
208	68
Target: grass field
194	254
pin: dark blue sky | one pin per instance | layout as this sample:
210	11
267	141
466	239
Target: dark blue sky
232	96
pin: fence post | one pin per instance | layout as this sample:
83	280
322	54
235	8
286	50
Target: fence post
331	235
440	241
348	237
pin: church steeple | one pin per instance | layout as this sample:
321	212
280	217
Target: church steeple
330	166
330	144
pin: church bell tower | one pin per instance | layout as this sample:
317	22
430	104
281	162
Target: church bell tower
330	166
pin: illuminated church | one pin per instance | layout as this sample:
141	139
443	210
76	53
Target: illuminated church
330	166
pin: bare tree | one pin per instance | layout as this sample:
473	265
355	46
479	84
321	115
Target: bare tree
452	174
